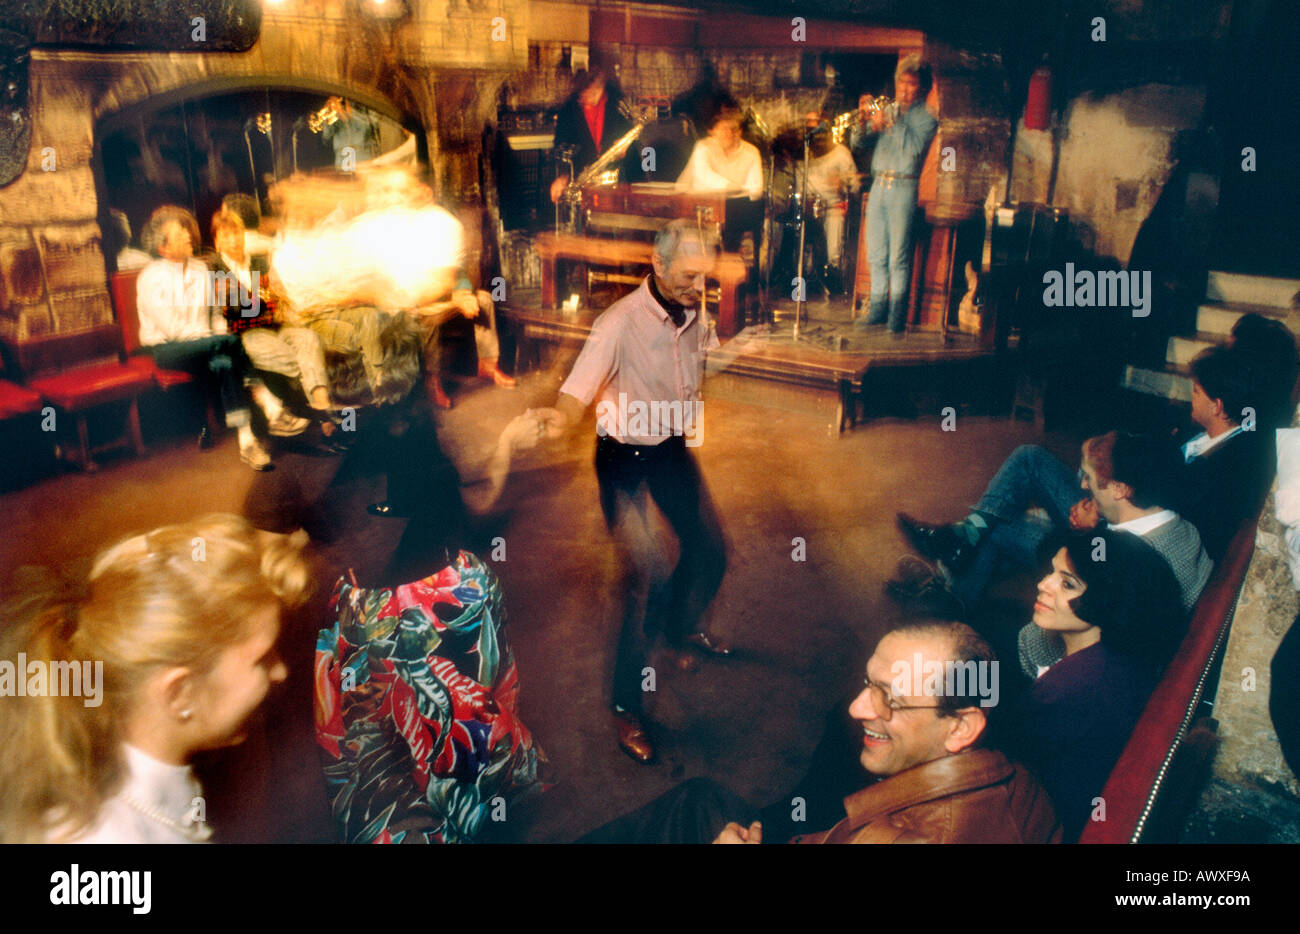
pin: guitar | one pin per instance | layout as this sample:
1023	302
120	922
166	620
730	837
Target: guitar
968	312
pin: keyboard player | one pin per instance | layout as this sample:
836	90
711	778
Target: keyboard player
724	162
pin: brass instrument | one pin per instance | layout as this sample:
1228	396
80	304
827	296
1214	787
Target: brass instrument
845	121
604	171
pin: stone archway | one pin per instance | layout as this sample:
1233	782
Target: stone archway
52	270
207	143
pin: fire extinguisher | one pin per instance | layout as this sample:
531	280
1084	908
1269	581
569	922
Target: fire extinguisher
1038	104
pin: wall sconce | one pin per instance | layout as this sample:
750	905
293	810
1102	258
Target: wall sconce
388	11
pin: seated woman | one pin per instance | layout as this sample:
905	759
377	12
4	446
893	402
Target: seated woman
1115	603
182	623
294	353
181	330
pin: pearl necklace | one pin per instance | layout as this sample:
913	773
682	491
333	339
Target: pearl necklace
198	831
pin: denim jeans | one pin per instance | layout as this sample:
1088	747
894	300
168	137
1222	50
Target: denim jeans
1030	476
658	598
890	214
218	363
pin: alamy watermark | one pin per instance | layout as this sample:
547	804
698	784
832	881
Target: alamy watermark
659	419
76	886
38	678
1108	288
921	678
219	290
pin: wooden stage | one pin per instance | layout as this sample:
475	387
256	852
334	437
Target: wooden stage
832	354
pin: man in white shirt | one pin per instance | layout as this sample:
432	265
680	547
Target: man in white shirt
181	330
1124	479
723	161
643	364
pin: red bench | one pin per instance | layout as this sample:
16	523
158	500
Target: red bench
17	400
1148	773
77	373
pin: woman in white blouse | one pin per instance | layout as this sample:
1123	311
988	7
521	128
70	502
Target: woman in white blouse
175	638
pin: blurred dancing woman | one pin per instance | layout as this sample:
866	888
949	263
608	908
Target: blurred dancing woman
184	621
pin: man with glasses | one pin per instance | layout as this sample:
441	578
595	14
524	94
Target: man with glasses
921	739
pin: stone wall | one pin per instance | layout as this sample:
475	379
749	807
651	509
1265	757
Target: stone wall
440	67
1116	153
1250	776
667	72
970	98
450	64
447	66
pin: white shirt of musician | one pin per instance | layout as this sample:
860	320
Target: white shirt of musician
172	301
710	169
827	174
167	790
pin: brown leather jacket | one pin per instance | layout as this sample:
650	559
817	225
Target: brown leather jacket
975	796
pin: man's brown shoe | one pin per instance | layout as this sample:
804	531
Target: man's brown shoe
632	737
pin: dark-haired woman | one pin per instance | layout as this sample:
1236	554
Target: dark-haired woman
1115	604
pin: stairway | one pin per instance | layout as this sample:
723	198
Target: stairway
1228	296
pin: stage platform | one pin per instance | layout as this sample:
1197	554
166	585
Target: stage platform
831	354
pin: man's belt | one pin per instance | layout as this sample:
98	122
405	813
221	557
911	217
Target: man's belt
893	176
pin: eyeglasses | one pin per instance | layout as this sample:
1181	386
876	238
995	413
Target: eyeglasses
885	704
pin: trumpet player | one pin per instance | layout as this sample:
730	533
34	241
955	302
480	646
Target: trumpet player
903	133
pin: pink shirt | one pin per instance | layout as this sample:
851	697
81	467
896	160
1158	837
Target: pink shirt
644	373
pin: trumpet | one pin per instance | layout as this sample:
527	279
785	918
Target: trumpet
845	121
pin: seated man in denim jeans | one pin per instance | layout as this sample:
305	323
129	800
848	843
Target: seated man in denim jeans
1126	481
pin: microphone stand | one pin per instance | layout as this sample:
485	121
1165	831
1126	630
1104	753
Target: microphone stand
801	301
766	259
566	156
